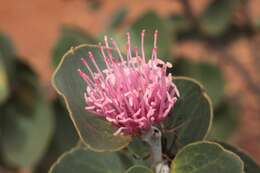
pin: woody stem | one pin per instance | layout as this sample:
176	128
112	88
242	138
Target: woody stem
153	139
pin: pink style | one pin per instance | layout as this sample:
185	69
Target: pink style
131	93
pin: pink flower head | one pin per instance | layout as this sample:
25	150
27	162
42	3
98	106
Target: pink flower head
131	93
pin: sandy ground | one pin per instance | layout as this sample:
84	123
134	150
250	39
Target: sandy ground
34	25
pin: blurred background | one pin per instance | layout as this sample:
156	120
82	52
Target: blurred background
216	42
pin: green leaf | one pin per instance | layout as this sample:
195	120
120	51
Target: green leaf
65	136
190	119
4	85
6	46
225	121
209	75
69	37
7	57
139	148
139	169
151	22
24	89
95	132
7	54
25	138
250	165
86	161
217	17
204	157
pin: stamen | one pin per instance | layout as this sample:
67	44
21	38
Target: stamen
89	69
138	59
163	89
91	56
127	55
128	48
154	53
108	49
104	55
85	77
155	39
142	45
119	131
136	52
118	50
106	42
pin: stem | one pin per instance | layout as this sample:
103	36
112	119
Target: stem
153	138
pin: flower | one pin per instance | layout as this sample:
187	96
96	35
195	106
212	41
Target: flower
131	93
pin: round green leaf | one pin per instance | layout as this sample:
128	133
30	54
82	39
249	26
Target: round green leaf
7	52
151	22
4	86
217	17
139	148
86	161
65	136
225	122
190	119
139	169
250	165
69	37
204	157
24	88
25	138
213	81
6	46
209	75
95	132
